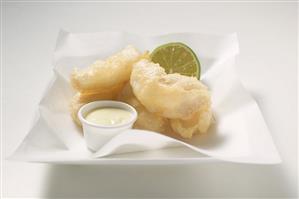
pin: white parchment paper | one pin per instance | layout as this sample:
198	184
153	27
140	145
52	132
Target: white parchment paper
238	135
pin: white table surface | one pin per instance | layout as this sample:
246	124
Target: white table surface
266	65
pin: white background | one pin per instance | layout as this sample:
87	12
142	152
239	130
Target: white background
267	67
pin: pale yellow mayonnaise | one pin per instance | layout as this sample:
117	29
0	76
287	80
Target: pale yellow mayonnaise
108	116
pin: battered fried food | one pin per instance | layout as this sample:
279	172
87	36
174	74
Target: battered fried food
112	93
198	123
146	120
184	100
170	95
103	80
102	75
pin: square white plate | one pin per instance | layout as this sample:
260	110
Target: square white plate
239	134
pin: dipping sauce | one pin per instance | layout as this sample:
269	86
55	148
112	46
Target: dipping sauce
108	116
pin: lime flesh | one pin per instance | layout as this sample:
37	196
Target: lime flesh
177	57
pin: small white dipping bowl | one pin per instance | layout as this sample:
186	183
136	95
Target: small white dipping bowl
97	135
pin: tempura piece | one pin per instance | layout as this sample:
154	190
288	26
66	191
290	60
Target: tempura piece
146	120
173	96
102	75
184	100
198	123
110	94
103	80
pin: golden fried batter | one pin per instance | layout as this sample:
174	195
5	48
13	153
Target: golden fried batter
103	80
146	120
102	75
184	100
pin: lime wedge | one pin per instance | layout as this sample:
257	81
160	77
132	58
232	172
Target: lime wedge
177	58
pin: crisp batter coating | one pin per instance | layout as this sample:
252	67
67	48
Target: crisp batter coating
183	100
103	80
198	123
170	95
146	120
103	75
